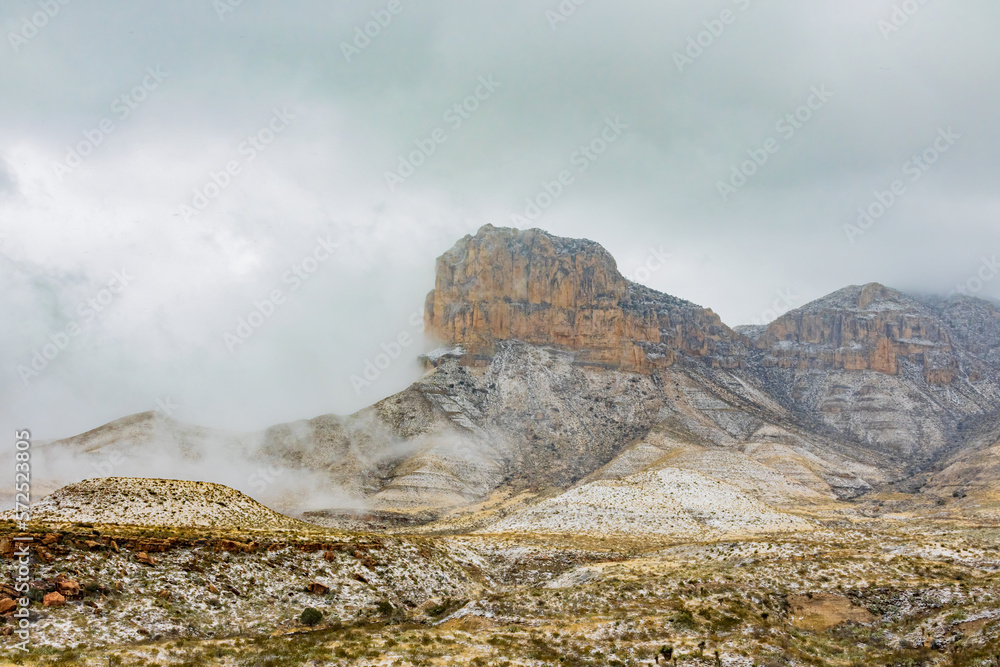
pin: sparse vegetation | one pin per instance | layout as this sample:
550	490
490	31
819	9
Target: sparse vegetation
575	600
310	616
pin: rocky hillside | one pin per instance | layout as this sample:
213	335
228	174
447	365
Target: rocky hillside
884	369
670	502
156	502
557	373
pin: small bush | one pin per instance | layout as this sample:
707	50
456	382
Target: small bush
311	616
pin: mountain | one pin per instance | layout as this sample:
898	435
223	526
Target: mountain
883	369
560	382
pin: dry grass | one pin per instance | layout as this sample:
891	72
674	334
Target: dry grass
931	593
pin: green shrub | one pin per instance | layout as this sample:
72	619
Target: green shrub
310	616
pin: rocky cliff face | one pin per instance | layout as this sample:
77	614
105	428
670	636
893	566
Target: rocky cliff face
862	328
895	373
506	284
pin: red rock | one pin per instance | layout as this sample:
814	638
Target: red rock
144	557
53	600
318	588
6	605
68	587
231	545
528	285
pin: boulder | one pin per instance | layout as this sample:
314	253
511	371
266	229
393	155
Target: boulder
318	589
53	599
68	587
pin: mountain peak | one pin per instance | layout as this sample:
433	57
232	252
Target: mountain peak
870	297
510	284
862	327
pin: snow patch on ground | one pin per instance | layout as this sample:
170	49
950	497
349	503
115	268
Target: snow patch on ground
670	501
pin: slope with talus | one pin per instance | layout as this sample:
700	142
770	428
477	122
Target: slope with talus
666	502
881	369
971	474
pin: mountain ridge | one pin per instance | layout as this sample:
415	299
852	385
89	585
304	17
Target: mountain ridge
558	373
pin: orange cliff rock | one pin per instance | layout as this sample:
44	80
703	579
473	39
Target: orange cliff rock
860	328
531	286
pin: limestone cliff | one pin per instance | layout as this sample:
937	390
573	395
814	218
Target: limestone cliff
507	284
898	374
862	328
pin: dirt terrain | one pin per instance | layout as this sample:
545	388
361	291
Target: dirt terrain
890	588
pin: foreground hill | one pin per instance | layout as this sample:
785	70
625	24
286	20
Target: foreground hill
157	502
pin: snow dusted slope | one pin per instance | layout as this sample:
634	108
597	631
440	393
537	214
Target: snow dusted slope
157	502
671	502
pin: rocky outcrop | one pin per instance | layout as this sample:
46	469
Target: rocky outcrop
895	373
507	284
870	327
53	600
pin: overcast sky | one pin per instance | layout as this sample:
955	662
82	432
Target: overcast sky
114	114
